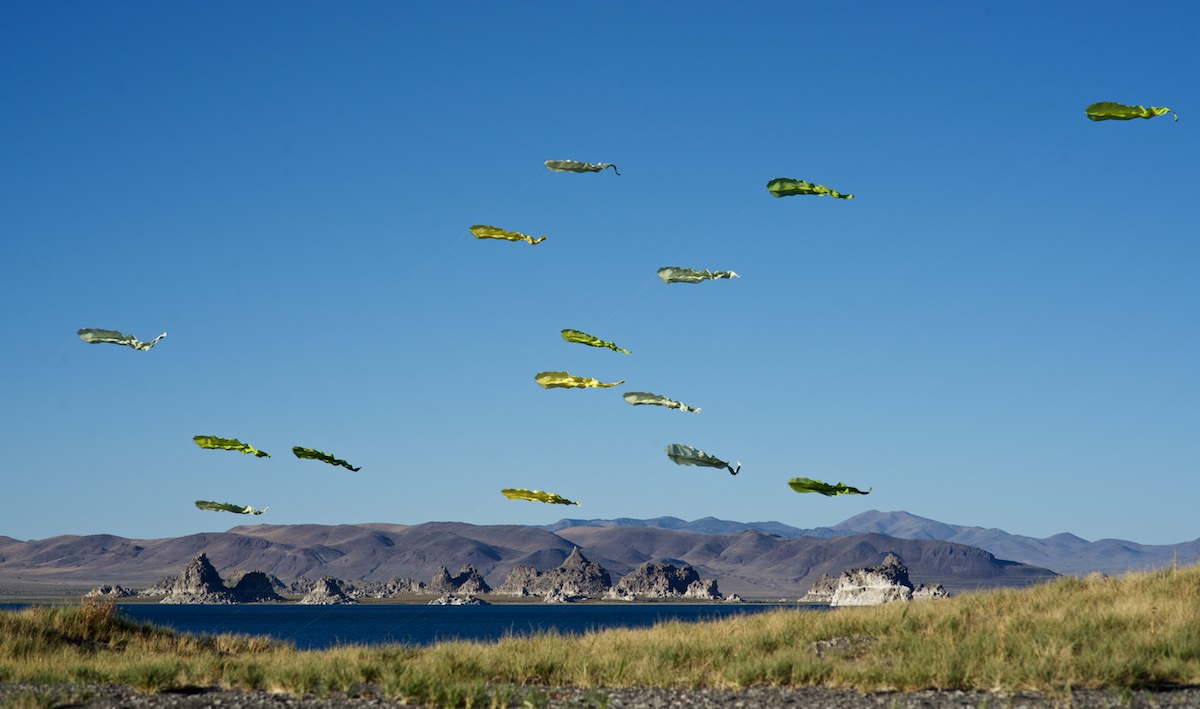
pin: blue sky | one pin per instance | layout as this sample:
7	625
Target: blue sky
999	330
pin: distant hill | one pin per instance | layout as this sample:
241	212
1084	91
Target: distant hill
751	563
1063	553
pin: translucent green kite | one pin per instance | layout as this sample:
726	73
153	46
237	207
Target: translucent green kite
537	496
229	444
585	339
679	274
576	166
229	507
483	231
640	398
784	186
810	485
1109	111
552	380
686	455
324	457
92	336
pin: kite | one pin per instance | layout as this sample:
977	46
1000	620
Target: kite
229	444
324	457
810	485
678	274
686	455
784	186
576	166
483	231
551	380
638	398
585	339
229	507
93	336
537	496
1109	111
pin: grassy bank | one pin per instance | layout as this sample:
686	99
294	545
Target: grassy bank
1140	630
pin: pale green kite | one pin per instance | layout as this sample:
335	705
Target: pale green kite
679	274
784	186
639	398
323	457
585	339
686	455
229	507
551	380
576	166
1109	111
537	496
92	336
229	444
810	485
483	231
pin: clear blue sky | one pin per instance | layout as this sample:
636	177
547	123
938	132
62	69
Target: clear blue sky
1001	329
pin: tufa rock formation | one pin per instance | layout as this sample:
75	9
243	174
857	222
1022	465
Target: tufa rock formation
256	587
326	592
384	589
451	600
873	586
665	581
199	583
106	591
466	582
576	577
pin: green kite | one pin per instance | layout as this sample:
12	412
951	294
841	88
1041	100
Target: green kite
585	339
1109	111
576	166
537	496
483	231
229	507
92	336
640	398
679	274
686	455
810	485
551	380
784	186
323	457
229	444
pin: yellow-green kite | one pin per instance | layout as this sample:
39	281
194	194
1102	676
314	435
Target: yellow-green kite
1109	111
686	455
640	398
552	380
323	457
679	274
810	485
229	507
576	166
585	339
537	496
93	336
229	444
784	186
483	231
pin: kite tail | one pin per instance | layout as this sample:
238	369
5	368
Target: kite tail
734	471
614	167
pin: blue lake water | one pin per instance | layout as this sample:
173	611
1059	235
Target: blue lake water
316	627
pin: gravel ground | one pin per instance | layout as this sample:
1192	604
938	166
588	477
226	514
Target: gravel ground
23	695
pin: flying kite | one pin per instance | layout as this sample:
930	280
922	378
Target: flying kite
639	398
1109	111
679	274
576	166
686	455
585	339
810	485
537	496
784	186
229	444
551	380
483	231
93	336
323	457
229	507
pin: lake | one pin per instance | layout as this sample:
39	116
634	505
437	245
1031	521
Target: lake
318	627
